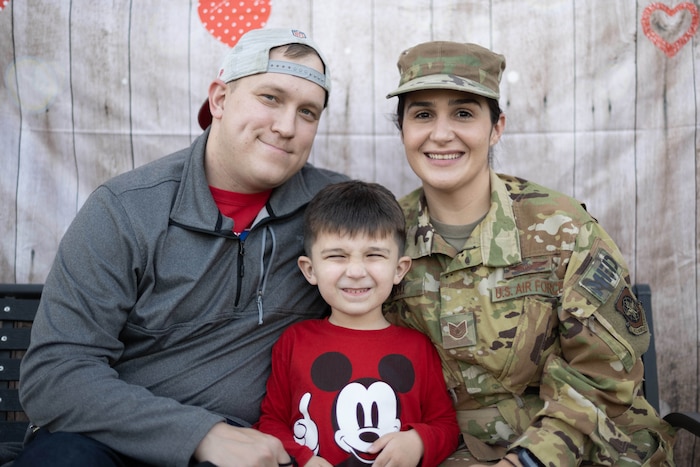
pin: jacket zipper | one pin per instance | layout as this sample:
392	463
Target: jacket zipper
241	270
241	247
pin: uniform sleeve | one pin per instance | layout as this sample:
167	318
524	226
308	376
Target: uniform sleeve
276	410
67	382
592	391
438	429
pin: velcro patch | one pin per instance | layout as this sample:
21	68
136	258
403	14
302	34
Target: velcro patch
526	286
633	312
529	266
601	277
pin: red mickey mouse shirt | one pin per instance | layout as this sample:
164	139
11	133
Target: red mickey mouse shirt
333	391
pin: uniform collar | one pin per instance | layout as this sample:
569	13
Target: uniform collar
498	233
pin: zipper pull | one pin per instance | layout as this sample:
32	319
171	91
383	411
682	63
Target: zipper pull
241	254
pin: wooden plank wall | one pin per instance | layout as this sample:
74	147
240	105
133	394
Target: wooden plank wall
597	107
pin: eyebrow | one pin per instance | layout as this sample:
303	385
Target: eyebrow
342	250
275	89
451	102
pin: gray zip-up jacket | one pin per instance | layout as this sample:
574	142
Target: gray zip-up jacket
156	322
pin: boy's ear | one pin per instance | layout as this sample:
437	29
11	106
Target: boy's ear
304	263
402	268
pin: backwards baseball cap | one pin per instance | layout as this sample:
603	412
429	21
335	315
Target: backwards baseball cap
450	65
251	55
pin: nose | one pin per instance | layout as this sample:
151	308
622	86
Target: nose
442	131
356	269
284	123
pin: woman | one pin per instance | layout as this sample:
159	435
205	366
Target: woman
525	296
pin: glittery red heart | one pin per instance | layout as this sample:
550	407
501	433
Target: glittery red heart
654	29
229	20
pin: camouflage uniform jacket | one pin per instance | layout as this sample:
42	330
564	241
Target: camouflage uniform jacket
535	317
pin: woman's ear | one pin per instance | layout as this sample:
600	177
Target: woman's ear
498	128
306	267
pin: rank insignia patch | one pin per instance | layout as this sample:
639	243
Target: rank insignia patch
458	330
633	312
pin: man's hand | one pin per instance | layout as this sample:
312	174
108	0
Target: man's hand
227	445
398	449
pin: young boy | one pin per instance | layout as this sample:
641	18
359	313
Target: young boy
352	389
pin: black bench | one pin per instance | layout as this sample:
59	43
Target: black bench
18	305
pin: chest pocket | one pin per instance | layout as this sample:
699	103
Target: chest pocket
534	340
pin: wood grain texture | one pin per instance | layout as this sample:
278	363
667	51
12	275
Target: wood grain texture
594	109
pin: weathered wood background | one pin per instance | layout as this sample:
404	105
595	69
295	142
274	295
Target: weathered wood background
598	107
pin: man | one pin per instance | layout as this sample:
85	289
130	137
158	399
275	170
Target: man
152	342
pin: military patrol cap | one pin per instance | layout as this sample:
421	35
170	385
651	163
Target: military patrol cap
450	65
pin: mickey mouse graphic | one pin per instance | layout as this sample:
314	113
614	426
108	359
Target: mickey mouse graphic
364	409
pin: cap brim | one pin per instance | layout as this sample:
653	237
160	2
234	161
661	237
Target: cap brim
453	82
204	116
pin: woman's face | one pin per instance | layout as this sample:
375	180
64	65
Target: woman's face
447	136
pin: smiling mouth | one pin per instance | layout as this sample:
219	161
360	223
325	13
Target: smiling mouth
356	291
276	147
443	157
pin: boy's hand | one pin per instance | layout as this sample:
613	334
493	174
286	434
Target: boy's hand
400	449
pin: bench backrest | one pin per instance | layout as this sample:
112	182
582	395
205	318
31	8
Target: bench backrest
18	305
650	385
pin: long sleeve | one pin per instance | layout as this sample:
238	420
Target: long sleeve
67	381
438	429
593	386
277	411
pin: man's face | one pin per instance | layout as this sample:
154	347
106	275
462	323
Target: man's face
265	128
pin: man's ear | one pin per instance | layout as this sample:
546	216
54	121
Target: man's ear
304	263
402	268
217	96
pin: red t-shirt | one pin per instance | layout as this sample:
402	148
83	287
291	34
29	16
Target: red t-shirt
241	207
333	391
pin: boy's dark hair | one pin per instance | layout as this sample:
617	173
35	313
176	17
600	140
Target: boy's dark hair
354	208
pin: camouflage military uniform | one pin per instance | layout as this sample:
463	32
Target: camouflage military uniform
538	331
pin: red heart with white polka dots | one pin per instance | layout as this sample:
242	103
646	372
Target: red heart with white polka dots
3	4
229	20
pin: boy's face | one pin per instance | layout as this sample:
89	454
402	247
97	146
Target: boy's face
355	275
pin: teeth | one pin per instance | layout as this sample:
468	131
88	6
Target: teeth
443	157
356	291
